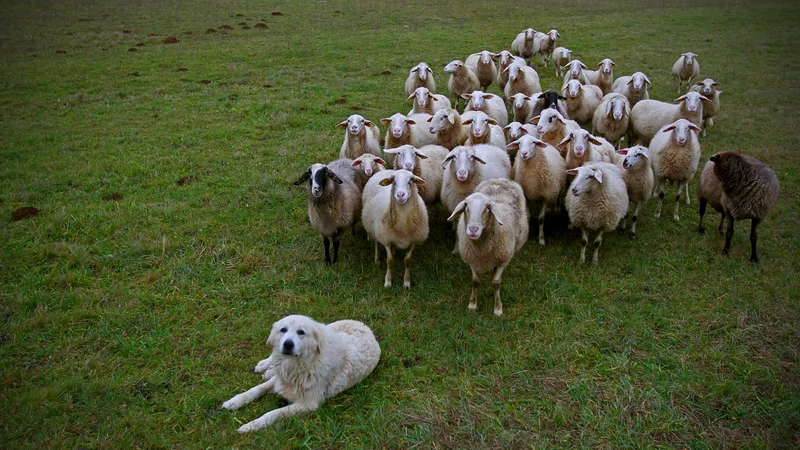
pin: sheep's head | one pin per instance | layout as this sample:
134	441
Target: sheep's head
692	100
553	35
406	157
573	89
586	178
681	131
404	185
581	141
476	99
504	57
518	100
634	156
355	124
575	68
478	214
479	124
462	162
443	119
529	33
486	57
708	86
453	66
422	70
320	179
566	53
422	96
688	58
369	163
515	131
617	107
526	145
398	124
550	99
607	66
638	80
548	120
514	70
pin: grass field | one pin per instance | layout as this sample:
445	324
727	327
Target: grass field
169	237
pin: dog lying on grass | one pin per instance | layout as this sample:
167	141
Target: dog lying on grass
310	363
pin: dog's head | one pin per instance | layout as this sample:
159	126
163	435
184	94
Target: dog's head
297	336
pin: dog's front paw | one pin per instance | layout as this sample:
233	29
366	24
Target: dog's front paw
252	426
269	373
263	365
232	404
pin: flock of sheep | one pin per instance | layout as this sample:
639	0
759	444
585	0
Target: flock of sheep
487	171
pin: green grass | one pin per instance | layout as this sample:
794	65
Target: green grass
125	324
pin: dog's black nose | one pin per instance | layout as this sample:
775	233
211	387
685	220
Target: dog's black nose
288	345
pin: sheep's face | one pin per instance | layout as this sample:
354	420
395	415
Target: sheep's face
529	33
634	156
682	131
688	58
575	68
580	142
519	100
616	107
369	163
477	210
486	58
586	178
462	162
527	146
709	86
638	81
355	124
514	71
476	99
479	124
566	54
398	125
505	57
549	119
553	35
607	66
441	120
453	66
693	101
422	71
406	157
422	96
403	185
320	179
574	89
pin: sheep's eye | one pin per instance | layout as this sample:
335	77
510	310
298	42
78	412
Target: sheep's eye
283	330
301	332
551	119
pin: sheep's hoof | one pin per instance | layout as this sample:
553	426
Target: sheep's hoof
658	214
541	242
701	230
387	284
498	312
754	259
407	284
472	307
677	219
633	236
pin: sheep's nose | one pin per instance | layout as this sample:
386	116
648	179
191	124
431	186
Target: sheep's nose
368	171
401	196
408	167
473	229
681	141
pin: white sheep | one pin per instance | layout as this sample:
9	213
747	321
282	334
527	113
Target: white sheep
603	77
580	147
540	170
638	176
521	79
561	57
426	163
420	75
552	127
404	130
490	104
612	117
516	130
366	166
524	45
521	107
361	136
575	70
482	64
484	130
685	68
675	154
582	101
633	87
426	102
708	88
463	80
447	128
334	201
596	202
466	167
504	59
649	116
546	44
395	216
493	226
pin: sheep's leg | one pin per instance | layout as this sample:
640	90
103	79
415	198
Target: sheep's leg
584	243
336	248
705	127
635	218
597	241
728	234
377	255
541	223
710	122
473	298
678	200
660	189
754	239
700	227
498	278
686	187
248	396
327	243
721	223
389	260
623	224
407	261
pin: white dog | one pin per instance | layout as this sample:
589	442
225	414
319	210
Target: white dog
310	363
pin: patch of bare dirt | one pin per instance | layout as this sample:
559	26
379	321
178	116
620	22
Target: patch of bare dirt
277	13
182	69
242	23
171	40
115	197
24	213
205	81
187	33
225	27
324	112
261	25
133	74
61	52
356	108
152	35
211	30
126	31
245	27
186	180
140	44
267	86
339	101
133	49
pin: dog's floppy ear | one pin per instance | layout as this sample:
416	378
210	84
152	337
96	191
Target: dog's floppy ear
319	337
272	340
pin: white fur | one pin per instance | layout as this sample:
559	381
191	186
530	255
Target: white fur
649	116
490	104
360	136
675	155
685	69
633	87
482	64
425	102
420	75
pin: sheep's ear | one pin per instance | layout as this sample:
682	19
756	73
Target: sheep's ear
411	97
694	127
613	63
572	171
506	69
429	69
415	69
305	176
393	151
564	141
680	99
609	106
584	66
448	158
341	124
466	122
333	176
418	181
489	96
598	175
386	181
429	119
523	130
704	98
594	140
540	144
356	163
451	118
534	119
411	121
600	64
457	210
380	160
476	159
699	83
420	154
492	121
495	56
508	127
557	35
369	123
630	81
643	151
513	146
669	128
561	97
647	80
623	151
716	83
491	211
385	120
466	96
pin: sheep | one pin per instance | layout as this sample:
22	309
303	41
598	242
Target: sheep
561	57
546	44
447	128
516	130
709	192
521	107
484	244
750	190
549	99
463	80
426	102
407	130
685	68
521	79
426	163
612	117
675	154
708	88
552	127
597	201
575	70
633	87
603	77
334	201
542	174
420	75
505	58
649	116
490	104
357	140
395	217
484	130
638	176
366	166
467	167
483	65
524	45
580	147
582	101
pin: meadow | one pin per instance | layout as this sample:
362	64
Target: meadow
169	236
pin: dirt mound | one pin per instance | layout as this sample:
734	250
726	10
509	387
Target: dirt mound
261	25
115	197
277	13
171	40
211	30
24	213
133	49
225	27
182	69
186	180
